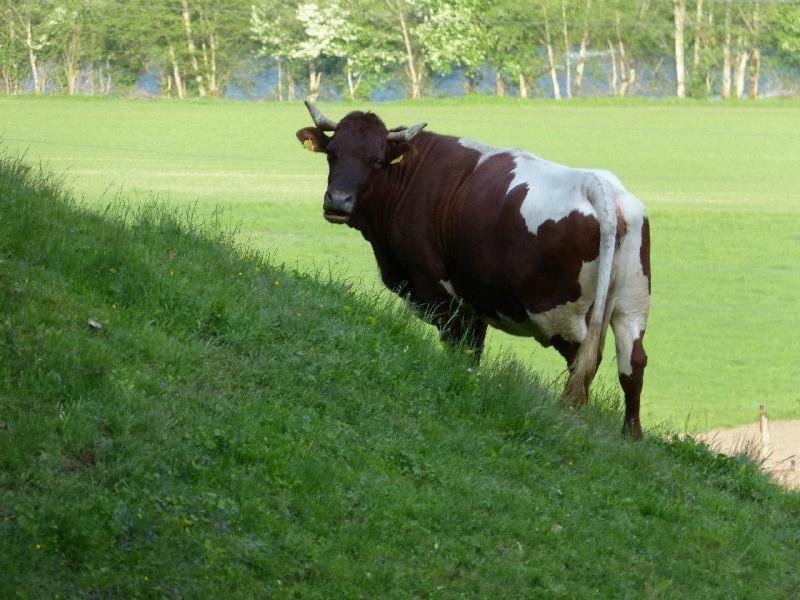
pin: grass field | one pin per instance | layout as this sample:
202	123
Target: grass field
721	184
232	429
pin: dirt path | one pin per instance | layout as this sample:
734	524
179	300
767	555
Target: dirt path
783	451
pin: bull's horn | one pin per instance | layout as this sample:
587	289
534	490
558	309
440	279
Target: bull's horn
320	120
406	134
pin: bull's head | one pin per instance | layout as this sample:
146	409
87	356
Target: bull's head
360	145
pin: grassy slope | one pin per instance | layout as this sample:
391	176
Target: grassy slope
719	180
236	429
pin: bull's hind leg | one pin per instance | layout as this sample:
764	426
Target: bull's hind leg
631	361
569	351
631	305
464	329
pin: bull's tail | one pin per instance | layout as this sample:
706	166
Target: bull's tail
583	368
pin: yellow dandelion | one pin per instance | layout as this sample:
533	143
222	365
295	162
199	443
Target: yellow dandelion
172	273
277	283
114	306
38	546
241	274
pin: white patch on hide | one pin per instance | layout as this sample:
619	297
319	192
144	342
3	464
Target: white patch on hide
486	151
569	320
554	191
448	287
629	292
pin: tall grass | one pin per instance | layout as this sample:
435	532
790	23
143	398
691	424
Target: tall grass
181	417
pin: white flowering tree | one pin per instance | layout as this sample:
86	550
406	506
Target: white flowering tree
322	26
278	34
453	37
367	46
70	27
32	19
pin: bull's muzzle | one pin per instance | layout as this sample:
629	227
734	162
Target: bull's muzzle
337	206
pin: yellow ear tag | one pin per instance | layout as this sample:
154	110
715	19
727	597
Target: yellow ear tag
309	145
398	159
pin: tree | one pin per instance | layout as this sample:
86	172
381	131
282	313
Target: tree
638	30
322	25
367	47
68	29
12	51
679	20
581	64
278	33
785	23
404	14
453	37
32	20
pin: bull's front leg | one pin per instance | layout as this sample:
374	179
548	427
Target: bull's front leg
458	328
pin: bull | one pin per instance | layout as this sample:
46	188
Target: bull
475	235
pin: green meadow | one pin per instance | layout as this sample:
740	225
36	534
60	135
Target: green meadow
721	183
180	417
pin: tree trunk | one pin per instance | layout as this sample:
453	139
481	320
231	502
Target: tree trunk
37	87
679	12
630	79
10	68
70	56
741	67
499	83
755	67
280	80
582	52
551	63
725	92
107	89
697	37
469	84
627	69
710	77
523	86
350	87
755	54
212	42
206	68
614	76
290	91
187	26
314	79
567	61
176	74
71	75
414	74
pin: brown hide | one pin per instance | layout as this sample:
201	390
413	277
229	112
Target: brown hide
434	217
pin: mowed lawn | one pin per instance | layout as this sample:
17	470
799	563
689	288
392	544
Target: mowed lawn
722	186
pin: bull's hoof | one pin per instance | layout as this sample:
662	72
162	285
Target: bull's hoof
575	395
632	430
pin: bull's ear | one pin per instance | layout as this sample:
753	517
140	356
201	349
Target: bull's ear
313	139
397	152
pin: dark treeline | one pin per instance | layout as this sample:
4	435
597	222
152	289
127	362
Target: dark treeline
350	48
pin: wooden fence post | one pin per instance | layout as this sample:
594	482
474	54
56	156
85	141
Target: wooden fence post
764	427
